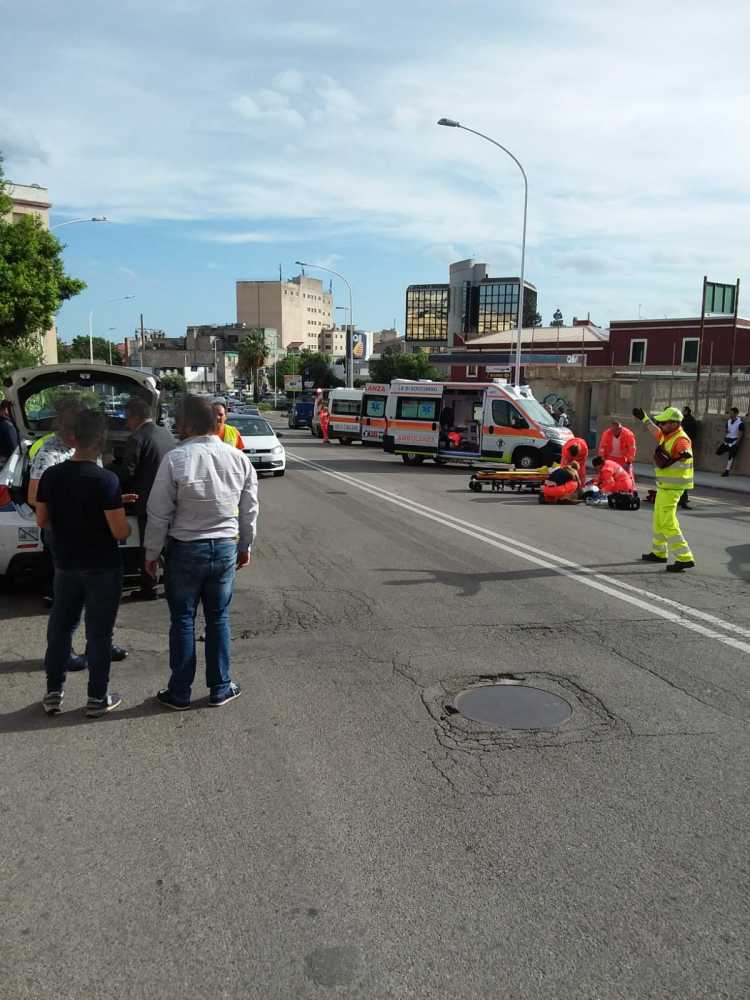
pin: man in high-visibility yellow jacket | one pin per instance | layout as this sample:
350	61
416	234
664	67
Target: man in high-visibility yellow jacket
228	434
673	465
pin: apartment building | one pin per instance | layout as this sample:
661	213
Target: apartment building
299	309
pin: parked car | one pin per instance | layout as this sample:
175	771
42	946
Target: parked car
32	393
262	445
300	412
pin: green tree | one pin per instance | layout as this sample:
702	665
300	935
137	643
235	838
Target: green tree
33	282
64	351
101	347
393	364
251	356
174	382
24	352
316	367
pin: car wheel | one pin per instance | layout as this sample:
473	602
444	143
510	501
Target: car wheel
526	458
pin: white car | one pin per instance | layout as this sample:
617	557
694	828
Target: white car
32	393
262	445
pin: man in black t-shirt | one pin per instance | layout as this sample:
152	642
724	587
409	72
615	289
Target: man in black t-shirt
83	505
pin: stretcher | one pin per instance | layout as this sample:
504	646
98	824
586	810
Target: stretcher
499	480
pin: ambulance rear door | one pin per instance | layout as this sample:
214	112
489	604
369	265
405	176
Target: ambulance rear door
373	411
413	416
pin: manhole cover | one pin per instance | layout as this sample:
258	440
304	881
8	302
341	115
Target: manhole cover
513	706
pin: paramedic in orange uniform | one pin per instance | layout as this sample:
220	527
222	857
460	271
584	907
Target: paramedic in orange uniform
611	477
618	444
576	450
325	419
562	484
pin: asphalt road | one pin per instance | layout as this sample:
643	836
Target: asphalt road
337	831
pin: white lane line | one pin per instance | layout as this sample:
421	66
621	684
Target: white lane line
565	567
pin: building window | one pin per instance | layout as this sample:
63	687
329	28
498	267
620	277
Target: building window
471	371
498	307
638	352
427	312
690	350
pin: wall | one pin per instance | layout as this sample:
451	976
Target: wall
664	341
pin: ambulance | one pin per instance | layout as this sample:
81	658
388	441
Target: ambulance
470	423
372	420
344	406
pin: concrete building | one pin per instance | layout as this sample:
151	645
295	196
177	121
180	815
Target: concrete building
206	356
333	341
387	338
472	304
31	199
299	309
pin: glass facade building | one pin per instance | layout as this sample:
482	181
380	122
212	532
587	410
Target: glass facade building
492	306
427	313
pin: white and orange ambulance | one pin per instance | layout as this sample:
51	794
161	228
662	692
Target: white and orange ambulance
372	420
485	423
344	406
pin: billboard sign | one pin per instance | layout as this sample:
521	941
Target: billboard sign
719	300
293	383
359	346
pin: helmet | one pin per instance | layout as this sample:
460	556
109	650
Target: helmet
671	413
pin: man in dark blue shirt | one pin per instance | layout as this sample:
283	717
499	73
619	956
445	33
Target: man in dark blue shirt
83	506
8	432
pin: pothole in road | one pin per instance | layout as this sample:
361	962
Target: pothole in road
510	704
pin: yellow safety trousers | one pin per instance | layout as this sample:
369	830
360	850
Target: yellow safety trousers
668	536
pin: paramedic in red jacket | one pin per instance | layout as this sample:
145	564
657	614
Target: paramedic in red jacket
618	444
611	477
576	450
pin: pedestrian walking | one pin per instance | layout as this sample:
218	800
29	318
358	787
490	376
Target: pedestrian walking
203	507
83	505
145	448
673	461
734	432
228	434
325	420
562	418
8	432
617	444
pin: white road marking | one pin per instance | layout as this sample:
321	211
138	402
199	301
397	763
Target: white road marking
647	601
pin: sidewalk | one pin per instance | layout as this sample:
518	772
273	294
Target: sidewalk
713	480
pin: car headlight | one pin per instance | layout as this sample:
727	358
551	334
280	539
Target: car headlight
278	450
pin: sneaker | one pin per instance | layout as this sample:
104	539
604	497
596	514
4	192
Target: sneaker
77	662
52	702
166	698
651	557
96	707
680	567
233	692
724	473
118	653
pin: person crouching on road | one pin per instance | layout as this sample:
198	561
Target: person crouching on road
673	461
617	444
562	484
576	450
84	507
611	477
228	434
204	507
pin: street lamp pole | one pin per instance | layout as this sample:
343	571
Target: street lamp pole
451	123
349	366
74	222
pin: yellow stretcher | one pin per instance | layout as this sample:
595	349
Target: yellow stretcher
499	480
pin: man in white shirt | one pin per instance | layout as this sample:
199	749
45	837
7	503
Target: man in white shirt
734	432
203	508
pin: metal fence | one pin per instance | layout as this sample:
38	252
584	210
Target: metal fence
716	393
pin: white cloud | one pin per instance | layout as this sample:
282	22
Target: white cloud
289	80
127	271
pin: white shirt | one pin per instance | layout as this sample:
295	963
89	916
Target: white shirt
203	490
733	428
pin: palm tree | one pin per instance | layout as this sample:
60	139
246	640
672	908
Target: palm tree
251	356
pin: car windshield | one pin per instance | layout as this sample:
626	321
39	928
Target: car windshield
94	391
251	426
537	412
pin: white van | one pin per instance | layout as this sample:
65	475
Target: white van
374	398
344	406
470	423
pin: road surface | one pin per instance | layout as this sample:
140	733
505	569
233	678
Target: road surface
338	831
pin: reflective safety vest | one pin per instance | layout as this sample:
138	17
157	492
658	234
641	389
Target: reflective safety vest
231	435
38	444
678	476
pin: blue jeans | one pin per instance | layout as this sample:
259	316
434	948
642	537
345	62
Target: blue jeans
199	572
97	592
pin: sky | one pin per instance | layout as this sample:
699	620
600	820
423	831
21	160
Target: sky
224	140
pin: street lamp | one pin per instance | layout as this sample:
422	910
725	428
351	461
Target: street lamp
320	267
120	298
74	222
451	123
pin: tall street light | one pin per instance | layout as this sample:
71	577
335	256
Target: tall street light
74	222
349	366
451	123
120	298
